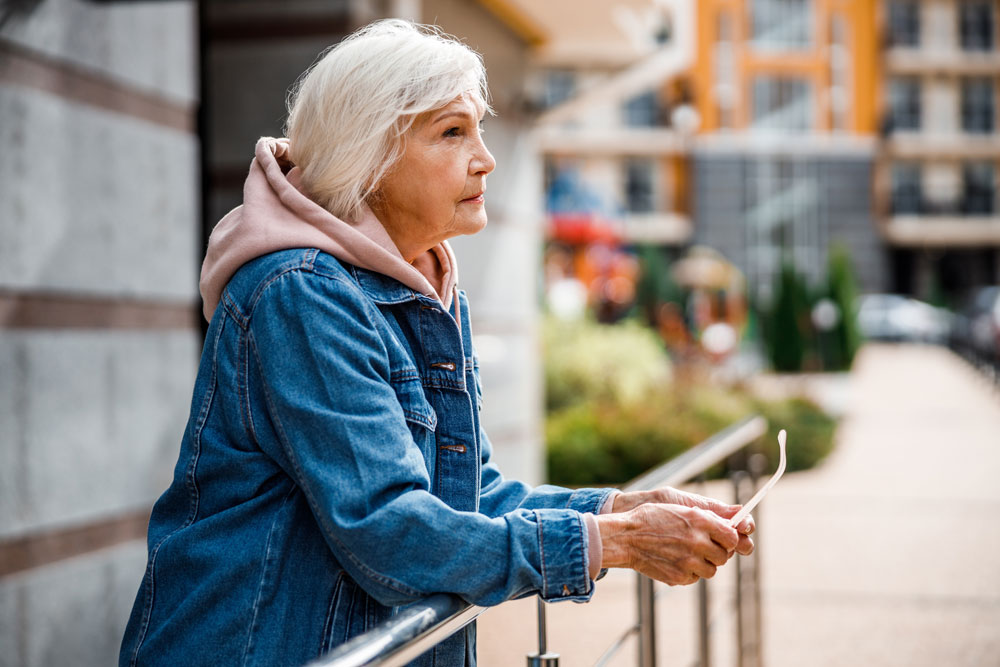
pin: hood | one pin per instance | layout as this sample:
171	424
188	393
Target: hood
277	215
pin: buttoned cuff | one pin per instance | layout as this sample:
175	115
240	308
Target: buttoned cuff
563	546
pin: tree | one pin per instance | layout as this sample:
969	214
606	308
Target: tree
843	291
786	339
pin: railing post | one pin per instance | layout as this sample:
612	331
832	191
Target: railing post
647	621
704	639
543	658
738	478
757	466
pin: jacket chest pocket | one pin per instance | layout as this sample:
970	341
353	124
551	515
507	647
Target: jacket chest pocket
420	416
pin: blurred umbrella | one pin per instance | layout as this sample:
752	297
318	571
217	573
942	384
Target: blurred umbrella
705	268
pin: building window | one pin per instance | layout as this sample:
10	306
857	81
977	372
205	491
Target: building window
784	220
904	23
639	190
906	193
904	104
560	85
782	103
977	105
781	24
978	188
644	111
975	25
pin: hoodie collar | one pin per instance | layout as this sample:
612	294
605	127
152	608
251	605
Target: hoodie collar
277	215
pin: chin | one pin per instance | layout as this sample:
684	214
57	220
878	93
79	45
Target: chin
473	226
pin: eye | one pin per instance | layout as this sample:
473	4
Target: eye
452	132
481	128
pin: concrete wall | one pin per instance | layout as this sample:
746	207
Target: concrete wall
99	236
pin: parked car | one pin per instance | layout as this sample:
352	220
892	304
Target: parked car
976	331
895	317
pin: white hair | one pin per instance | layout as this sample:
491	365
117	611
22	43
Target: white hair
348	113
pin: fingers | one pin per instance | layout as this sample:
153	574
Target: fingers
745	547
688	499
720	531
746	526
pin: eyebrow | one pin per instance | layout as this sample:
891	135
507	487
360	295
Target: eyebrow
448	114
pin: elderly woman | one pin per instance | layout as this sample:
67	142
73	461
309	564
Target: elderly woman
334	467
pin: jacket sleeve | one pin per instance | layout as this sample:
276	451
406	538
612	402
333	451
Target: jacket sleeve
343	438
498	495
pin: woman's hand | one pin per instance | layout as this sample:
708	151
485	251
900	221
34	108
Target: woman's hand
625	502
672	543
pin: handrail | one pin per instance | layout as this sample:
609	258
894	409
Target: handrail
427	622
400	639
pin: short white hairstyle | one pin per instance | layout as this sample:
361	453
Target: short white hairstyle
348	114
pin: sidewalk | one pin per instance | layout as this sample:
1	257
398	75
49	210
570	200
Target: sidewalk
886	555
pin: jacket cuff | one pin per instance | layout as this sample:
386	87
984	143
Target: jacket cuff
563	546
590	501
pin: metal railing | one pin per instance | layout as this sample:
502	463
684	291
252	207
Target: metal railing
423	625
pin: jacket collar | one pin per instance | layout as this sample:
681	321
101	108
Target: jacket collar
385	290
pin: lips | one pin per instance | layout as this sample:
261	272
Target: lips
476	198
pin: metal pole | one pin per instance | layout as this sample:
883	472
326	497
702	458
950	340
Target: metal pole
757	465
647	621
543	658
737	479
704	646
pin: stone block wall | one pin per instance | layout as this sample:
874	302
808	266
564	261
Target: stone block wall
99	337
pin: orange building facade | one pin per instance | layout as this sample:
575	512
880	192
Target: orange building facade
828	48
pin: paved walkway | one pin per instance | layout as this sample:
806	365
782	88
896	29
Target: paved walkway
886	555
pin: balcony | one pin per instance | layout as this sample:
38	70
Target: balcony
662	228
914	230
917	145
915	61
652	141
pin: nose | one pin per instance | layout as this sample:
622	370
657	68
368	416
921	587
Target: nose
482	161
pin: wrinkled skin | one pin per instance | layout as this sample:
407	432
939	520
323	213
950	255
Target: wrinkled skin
672	536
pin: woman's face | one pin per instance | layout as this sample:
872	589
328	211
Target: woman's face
435	191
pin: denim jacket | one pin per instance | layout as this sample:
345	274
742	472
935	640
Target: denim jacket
334	469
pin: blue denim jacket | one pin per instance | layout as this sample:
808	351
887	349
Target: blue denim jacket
334	469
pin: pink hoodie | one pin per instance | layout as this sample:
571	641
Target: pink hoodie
277	215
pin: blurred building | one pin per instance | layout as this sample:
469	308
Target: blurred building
938	158
783	166
128	130
868	123
747	126
611	88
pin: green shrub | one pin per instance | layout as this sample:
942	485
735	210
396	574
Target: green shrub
606	443
584	360
810	432
614	411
